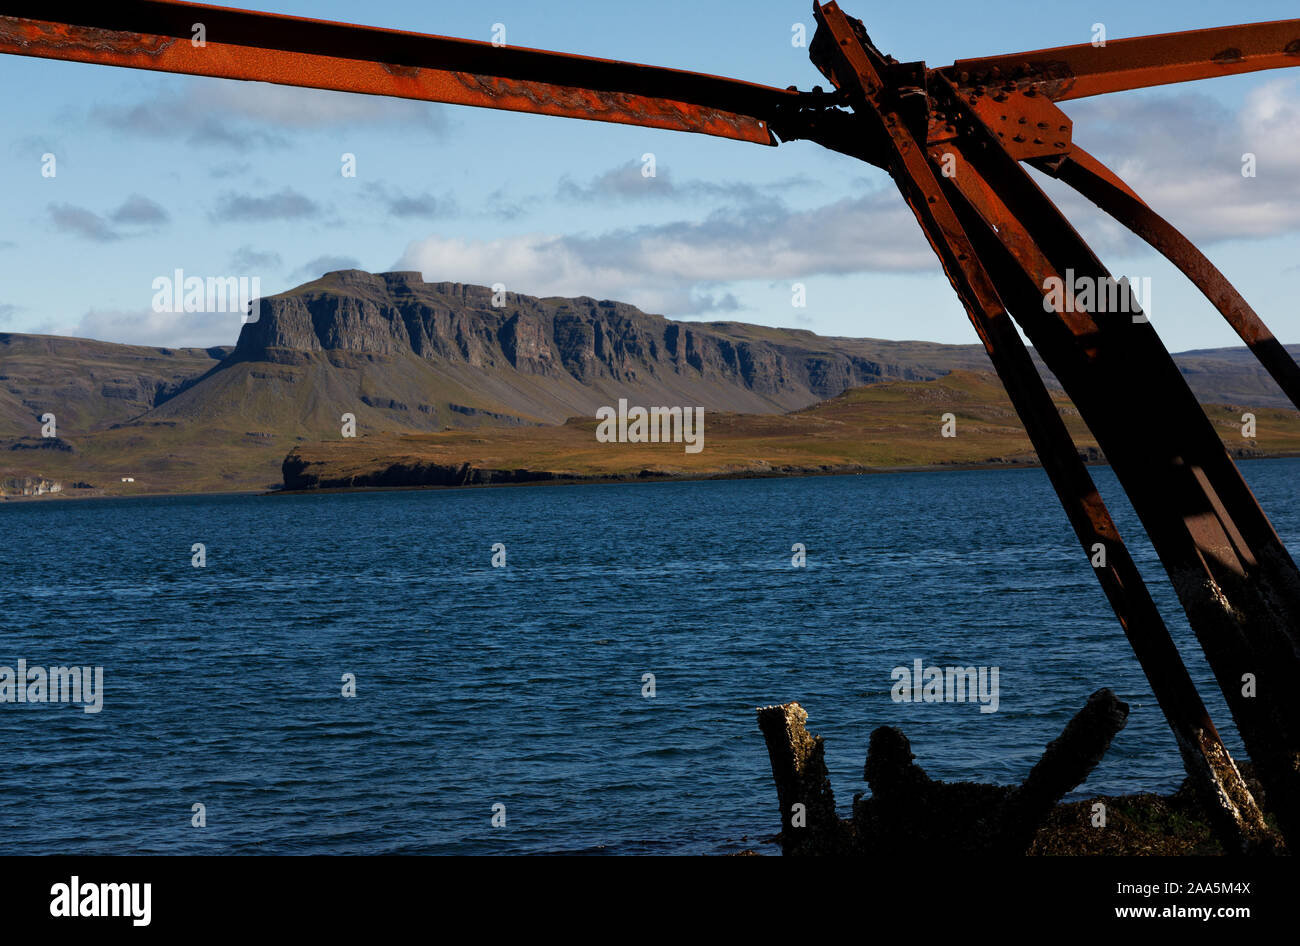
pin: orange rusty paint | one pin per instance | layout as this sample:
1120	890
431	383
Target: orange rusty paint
1073	72
1027	126
1103	187
324	55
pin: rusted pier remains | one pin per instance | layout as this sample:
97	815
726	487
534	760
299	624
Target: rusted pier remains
954	139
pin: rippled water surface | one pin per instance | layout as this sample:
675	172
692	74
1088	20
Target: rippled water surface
523	685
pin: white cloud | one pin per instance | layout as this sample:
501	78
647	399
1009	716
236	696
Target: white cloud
674	268
1182	153
240	114
158	329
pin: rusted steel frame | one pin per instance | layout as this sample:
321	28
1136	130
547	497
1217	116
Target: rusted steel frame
287	50
1234	578
1237	820
1236	817
1095	181
1221	611
1027	126
1072	72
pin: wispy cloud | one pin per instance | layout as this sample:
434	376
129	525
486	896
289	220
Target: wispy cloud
134	212
247	259
1183	154
630	181
679	268
285	204
246	114
502	206
315	268
81	222
408	206
228	169
167	329
139	210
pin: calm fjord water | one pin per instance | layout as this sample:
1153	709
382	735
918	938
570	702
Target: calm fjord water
523	685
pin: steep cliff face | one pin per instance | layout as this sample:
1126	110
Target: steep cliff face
566	344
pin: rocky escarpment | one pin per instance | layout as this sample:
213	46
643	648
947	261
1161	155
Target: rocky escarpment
302	473
562	343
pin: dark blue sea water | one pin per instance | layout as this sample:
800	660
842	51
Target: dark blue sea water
522	686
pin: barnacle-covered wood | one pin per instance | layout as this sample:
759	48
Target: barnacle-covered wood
908	808
1065	763
799	768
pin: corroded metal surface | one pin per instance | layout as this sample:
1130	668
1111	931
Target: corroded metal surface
950	208
319	54
1073	72
1098	183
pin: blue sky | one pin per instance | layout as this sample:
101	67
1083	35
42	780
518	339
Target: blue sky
157	172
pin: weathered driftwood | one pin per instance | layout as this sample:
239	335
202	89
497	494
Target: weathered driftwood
907	808
1065	763
799	768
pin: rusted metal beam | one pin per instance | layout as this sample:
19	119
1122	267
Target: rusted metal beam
838	50
1234	813
1099	184
1031	128
1074	72
1234	577
287	50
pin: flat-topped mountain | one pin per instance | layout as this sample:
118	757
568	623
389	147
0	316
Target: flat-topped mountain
404	356
445	347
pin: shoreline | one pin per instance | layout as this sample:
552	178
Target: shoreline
649	477
63	495
645	477
545	478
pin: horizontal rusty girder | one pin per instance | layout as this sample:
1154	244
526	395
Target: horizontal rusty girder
1074	72
288	50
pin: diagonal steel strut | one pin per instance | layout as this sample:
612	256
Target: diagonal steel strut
1234	578
843	53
